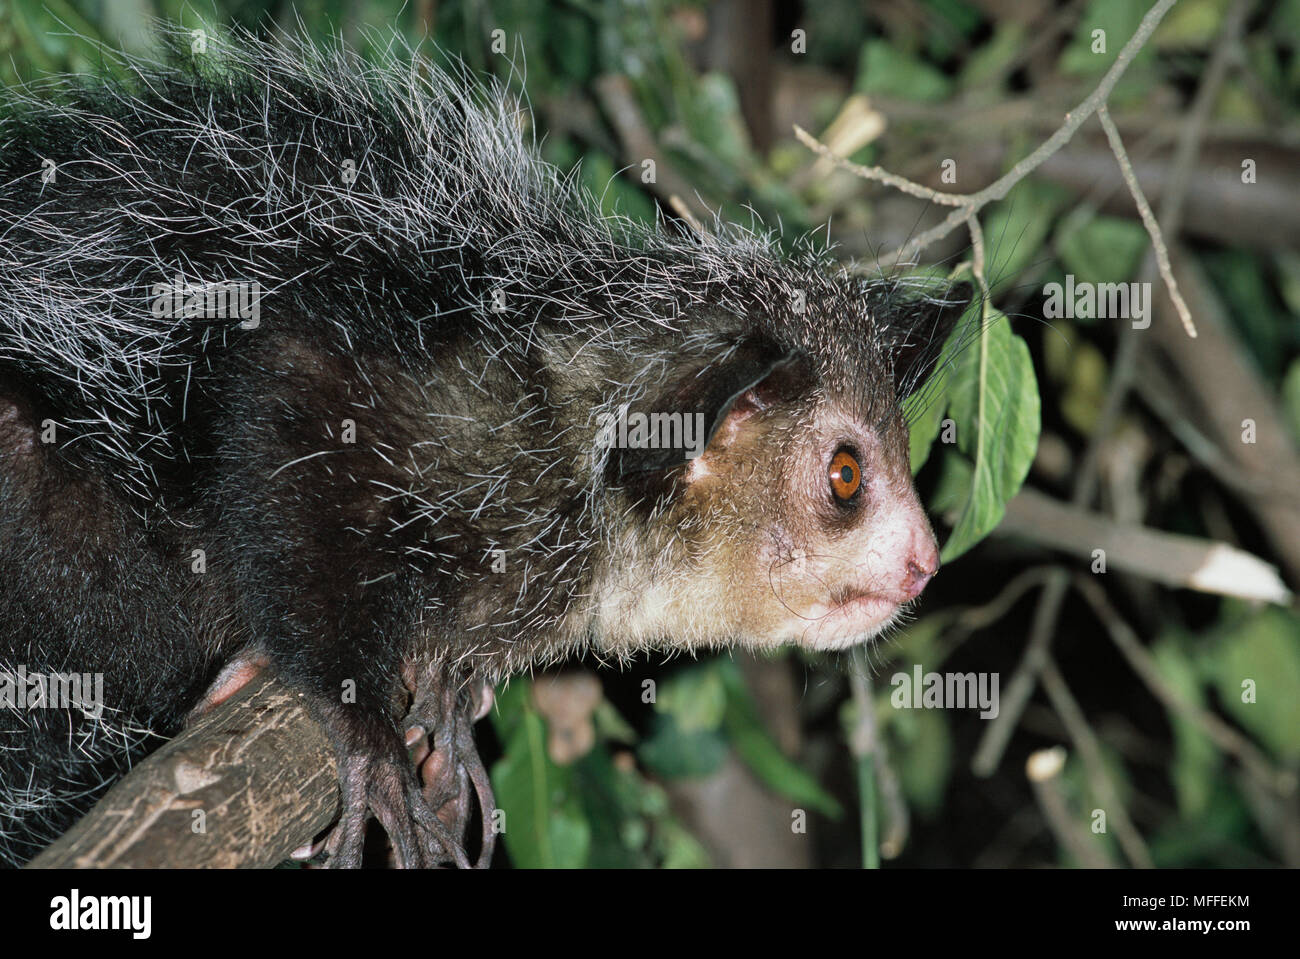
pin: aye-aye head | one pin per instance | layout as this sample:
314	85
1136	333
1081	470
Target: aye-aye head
797	521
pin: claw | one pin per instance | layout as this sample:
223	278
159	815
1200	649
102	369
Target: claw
424	799
452	774
483	700
387	787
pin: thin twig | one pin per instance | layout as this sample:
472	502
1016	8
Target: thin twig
1073	120
863	744
1002	186
1193	127
1043	770
880	174
1162	397
1020	688
971	619
1148	219
1089	749
897	824
1219	732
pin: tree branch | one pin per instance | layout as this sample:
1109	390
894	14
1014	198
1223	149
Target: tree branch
1182	562
245	785
969	204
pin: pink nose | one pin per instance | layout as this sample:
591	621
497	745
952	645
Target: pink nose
921	568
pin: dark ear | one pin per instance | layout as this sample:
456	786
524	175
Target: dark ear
918	332
751	377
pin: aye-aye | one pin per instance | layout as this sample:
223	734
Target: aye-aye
315	365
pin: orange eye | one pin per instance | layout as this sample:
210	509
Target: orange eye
846	476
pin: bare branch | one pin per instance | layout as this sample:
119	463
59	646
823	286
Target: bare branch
1043	770
1073	120
1089	749
1148	218
880	174
245	785
1181	562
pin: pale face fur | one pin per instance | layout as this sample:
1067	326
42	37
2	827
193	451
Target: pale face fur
757	550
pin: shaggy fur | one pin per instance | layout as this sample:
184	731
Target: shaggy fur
439	338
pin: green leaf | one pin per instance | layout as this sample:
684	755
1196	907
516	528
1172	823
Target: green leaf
1238	102
925	421
680	850
1080	370
1102	250
713	117
631	822
696	697
570	42
1241	278
1266	650
545	825
618	832
1288	281
952	492
756	747
1285	19
949	22
673	753
1215	838
1119	19
925	408
1191	25
611	725
994	401
1196	761
922	752
1016	229
616	196
987	61
889	71
509	704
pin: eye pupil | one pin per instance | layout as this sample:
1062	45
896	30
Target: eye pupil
846	474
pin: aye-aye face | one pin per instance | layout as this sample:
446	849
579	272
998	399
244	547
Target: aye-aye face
797	524
840	542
